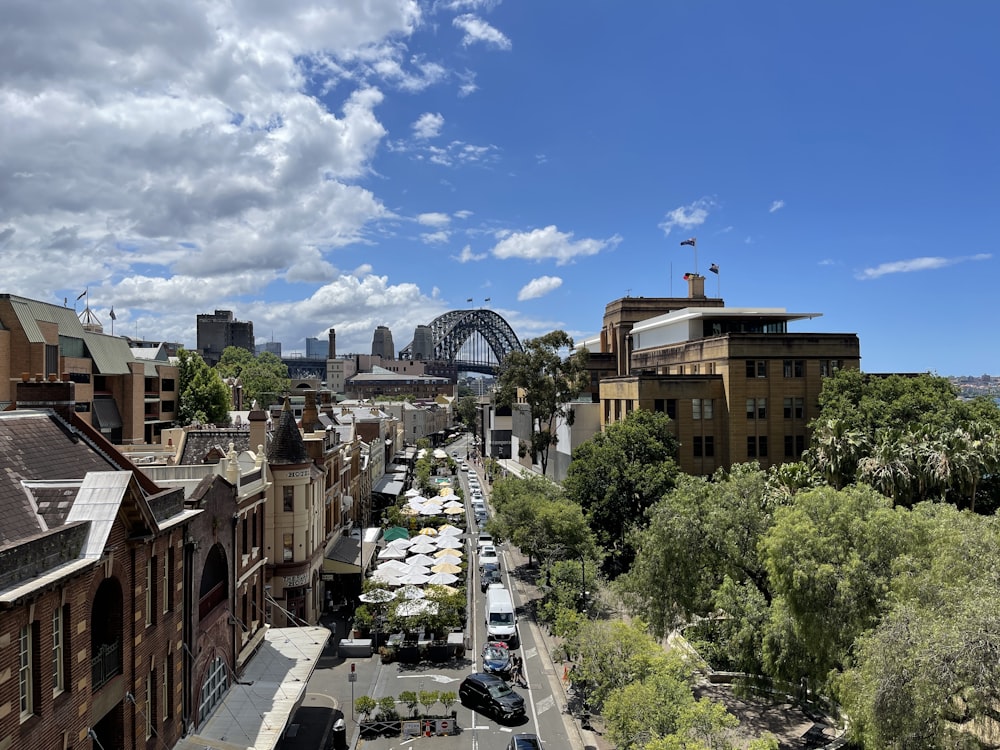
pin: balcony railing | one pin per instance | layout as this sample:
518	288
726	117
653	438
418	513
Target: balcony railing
105	664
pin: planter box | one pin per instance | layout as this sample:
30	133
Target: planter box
438	726
355	647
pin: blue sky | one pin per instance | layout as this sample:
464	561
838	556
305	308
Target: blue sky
355	164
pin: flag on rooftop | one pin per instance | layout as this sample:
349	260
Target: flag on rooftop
82	295
469	300
688	276
714	268
112	314
487	299
692	241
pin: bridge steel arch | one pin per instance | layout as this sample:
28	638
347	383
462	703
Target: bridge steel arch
449	332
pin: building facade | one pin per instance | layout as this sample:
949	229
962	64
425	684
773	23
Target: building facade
220	329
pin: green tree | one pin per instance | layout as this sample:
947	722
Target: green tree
547	381
264	377
829	559
465	411
700	533
618	474
204	398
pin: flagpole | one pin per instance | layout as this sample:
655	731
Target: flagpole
671	278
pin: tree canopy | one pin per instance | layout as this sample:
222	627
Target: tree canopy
547	380
204	398
618	474
264	376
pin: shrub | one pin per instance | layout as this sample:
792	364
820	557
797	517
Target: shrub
387	708
364	705
410	699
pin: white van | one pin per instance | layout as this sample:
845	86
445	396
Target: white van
501	623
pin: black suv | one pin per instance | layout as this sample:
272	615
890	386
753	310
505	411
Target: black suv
489	575
524	742
491	694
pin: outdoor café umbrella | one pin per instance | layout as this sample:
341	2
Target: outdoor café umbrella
450	559
416	607
395	532
453	510
415	579
392	553
431	510
386	577
423	547
449	542
446	568
448	552
377	596
400	543
409	592
442	579
428	531
449	530
393	567
420	560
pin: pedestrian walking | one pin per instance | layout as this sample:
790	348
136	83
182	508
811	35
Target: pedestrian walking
519	678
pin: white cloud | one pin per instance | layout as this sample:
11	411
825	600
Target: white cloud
917	264
428	125
434	219
462	214
435	238
539	287
460	153
466	83
455	5
776	206
542	244
477	30
467	256
687	217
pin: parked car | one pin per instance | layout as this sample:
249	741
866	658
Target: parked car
484	537
464	466
478	506
492	695
524	742
490	575
488	556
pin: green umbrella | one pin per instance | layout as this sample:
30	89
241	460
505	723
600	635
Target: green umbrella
395	532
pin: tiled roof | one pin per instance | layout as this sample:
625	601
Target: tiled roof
38	446
287	446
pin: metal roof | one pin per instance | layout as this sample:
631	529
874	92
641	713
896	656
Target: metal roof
29	312
111	354
98	501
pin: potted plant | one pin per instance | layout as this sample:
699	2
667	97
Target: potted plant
363	619
410	699
427	699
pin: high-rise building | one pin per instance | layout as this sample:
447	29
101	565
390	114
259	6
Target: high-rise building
219	330
423	343
316	348
382	343
269	346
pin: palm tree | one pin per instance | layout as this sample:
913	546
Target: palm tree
888	467
836	451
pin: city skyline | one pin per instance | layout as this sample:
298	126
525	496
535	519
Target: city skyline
348	167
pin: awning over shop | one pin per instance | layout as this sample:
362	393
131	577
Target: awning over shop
258	707
389	484
345	557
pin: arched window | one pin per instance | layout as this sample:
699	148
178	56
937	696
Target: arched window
214	589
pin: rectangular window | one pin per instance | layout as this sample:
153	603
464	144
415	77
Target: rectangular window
756	408
756	368
696	408
793	368
709	445
794	407
288	497
58	675
672	408
288	542
168	665
150	702
26	683
166	579
757	446
698	447
150	590
702	408
828	367
659	405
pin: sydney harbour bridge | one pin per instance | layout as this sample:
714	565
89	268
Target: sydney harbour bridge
472	340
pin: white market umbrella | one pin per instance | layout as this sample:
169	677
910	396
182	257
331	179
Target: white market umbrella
393	566
447	560
385	577
392	553
449	542
417	569
416	607
442	579
431	510
443	586
377	596
420	560
449	530
414	579
409	592
412	492
400	543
